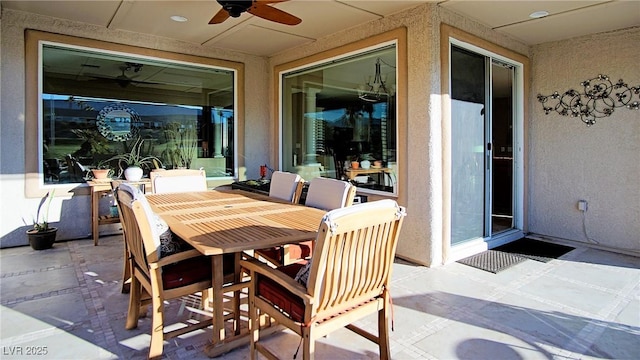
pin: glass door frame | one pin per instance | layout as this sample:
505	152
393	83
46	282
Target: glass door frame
451	37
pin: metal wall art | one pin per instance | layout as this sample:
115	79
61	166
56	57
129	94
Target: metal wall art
599	99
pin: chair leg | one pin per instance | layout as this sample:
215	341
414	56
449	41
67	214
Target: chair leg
134	304
126	271
309	345
254	324
236	294
206	299
383	332
157	327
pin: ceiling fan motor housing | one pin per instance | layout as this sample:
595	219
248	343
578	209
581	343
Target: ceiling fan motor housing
235	7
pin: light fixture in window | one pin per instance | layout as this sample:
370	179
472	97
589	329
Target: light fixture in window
538	14
179	18
376	86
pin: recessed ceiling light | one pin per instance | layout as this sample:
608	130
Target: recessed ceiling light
179	18
538	14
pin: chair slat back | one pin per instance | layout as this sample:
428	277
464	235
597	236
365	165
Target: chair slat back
179	180
137	219
285	186
329	194
354	254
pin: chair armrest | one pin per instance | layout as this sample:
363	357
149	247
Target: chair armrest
183	255
256	266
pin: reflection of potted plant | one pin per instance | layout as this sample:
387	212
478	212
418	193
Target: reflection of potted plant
354	162
42	236
182	145
134	161
102	171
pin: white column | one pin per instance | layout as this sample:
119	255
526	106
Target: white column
310	126
217	133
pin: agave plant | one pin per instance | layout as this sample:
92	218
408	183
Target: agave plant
42	224
134	157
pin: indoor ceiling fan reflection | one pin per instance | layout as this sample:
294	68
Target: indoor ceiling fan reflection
123	80
259	8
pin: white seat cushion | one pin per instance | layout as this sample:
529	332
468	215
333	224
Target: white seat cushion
170	184
327	194
283	185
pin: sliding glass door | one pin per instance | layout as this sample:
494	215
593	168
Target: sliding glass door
482	146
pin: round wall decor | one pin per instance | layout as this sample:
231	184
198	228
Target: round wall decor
118	122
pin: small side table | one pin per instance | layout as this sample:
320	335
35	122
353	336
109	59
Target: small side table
98	190
352	173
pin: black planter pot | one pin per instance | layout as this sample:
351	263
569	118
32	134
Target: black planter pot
41	240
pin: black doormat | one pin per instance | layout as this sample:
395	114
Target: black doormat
492	261
505	256
534	249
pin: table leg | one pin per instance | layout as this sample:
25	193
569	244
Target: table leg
218	299
221	344
95	200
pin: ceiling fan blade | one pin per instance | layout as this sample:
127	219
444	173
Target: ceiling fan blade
271	1
260	9
219	17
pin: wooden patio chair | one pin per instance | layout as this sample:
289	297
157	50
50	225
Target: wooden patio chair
288	187
348	279
156	278
178	180
329	194
166	181
323	193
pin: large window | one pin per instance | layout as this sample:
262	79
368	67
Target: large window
96	102
339	119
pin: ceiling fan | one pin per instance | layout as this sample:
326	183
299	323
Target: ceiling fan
259	8
123	80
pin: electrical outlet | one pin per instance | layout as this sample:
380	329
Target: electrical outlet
582	205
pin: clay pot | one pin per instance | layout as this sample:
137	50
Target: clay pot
101	173
355	165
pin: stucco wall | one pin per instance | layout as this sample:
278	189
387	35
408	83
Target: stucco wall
71	212
421	238
570	161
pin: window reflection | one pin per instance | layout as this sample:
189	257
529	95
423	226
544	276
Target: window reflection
339	120
94	104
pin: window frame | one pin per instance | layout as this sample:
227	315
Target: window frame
34	40
398	37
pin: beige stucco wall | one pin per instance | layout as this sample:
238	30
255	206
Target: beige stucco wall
569	161
566	161
421	239
71	212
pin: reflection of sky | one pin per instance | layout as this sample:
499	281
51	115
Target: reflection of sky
142	108
338	114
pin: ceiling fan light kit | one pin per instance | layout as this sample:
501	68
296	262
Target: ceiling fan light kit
259	8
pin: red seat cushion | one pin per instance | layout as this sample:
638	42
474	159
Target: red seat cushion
296	251
193	270
279	296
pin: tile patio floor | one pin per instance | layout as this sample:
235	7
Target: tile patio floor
584	305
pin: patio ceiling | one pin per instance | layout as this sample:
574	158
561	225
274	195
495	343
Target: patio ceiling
253	35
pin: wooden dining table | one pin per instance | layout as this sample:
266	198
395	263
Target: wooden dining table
218	222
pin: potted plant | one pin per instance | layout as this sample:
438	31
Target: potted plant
182	145
133	161
355	164
42	236
102	171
